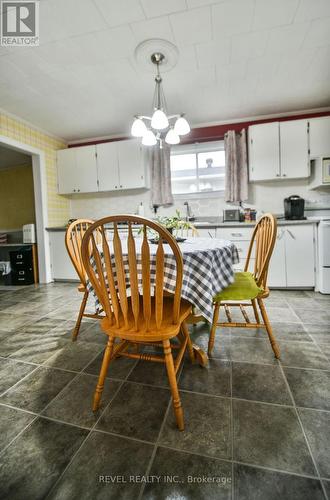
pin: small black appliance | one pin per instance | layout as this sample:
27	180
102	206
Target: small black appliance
294	208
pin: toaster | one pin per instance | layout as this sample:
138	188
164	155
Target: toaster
231	215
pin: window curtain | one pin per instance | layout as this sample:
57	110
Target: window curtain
236	180
160	171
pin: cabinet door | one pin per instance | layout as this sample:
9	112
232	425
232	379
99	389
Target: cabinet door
294	149
299	246
86	174
206	232
277	265
66	170
130	162
61	265
107	166
264	152
319	134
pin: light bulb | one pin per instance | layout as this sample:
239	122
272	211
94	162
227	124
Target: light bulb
149	138
138	128
181	126
172	137
159	120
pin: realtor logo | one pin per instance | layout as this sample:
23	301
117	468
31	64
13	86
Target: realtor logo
19	23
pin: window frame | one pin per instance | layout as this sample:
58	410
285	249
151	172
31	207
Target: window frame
195	148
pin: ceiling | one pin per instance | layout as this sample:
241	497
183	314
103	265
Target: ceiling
11	158
237	58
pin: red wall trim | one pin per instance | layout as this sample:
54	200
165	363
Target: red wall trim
215	132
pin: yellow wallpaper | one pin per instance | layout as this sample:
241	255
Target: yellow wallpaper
16	197
58	206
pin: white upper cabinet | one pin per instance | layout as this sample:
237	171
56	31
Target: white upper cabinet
120	165
278	150
319	133
76	170
131	167
66	170
264	152
294	159
107	166
86	180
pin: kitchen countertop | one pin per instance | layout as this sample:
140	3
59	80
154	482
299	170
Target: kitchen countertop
214	222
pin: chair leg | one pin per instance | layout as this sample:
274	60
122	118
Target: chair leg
173	384
185	331
213	328
104	369
80	315
271	337
255	310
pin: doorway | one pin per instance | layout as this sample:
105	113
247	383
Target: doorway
37	159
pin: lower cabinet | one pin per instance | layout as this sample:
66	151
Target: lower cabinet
61	265
293	261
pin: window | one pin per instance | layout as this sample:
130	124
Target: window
198	168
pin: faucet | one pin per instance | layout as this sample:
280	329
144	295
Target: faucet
189	214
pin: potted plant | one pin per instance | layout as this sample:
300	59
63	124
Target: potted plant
175	222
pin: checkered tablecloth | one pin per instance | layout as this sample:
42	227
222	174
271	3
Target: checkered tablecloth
207	269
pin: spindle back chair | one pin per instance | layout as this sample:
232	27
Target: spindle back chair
73	240
250	287
128	280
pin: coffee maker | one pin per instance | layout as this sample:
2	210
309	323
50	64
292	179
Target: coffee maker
294	208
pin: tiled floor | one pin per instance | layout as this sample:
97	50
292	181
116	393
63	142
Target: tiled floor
255	428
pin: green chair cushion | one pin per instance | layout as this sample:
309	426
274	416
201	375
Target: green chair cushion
243	288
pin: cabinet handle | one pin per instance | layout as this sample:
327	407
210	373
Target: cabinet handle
120	186
74	190
78	190
236	234
284	175
116	187
277	175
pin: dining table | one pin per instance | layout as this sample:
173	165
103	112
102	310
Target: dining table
208	268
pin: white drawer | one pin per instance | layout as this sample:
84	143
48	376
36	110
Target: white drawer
235	233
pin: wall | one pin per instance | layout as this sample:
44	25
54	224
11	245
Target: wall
16	197
58	206
262	196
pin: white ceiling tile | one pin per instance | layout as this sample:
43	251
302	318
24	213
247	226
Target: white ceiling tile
318	33
192	4
228	72
269	13
154	8
193	26
312	9
213	53
248	45
232	17
61	19
152	28
287	38
264	66
124	11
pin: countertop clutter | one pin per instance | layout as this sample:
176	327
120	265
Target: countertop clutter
214	222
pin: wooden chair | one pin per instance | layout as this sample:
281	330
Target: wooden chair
73	240
136	311
251	287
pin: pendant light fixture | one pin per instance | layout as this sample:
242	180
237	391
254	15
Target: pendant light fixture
159	126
